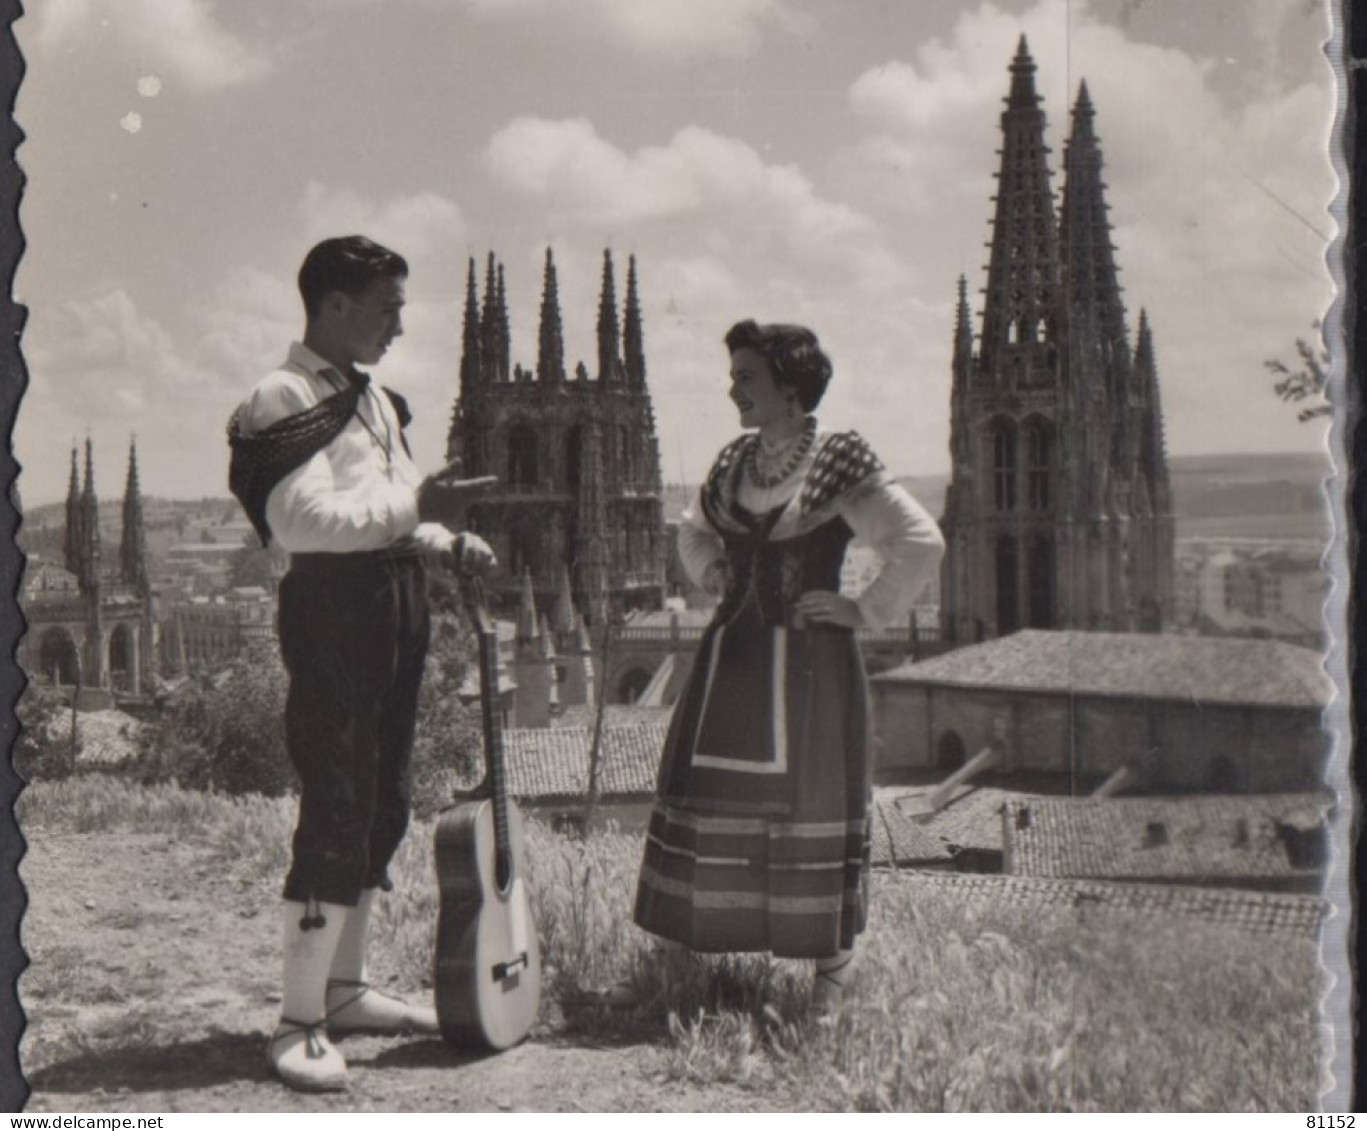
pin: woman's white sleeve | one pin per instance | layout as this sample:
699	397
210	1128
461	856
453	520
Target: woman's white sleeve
699	544
907	540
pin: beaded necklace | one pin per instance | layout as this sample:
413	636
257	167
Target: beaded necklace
760	465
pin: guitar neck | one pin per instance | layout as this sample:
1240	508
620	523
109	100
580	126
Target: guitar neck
493	725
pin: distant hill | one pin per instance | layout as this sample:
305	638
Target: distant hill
1276	496
1245	495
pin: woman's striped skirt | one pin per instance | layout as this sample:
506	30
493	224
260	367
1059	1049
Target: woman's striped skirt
765	853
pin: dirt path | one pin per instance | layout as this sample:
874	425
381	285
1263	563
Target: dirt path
153	986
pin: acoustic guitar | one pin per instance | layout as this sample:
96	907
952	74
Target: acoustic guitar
488	961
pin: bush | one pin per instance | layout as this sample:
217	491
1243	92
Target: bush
44	750
449	747
226	731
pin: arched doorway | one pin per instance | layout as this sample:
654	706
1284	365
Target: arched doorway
58	658
949	752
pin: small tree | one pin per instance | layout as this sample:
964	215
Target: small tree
1307	381
46	747
226	731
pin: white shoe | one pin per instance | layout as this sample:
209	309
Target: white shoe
357	1007
305	1059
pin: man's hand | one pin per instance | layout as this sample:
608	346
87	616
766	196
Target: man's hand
472	555
442	497
459	553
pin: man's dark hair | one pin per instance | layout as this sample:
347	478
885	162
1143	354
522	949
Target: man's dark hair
793	353
348	264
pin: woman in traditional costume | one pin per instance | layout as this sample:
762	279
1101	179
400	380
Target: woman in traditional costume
758	840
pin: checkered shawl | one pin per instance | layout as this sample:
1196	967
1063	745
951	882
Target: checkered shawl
844	464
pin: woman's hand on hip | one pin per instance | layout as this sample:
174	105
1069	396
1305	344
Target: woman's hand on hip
825	607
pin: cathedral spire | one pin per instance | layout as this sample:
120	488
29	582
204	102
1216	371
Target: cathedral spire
633	341
133	543
527	620
609	337
963	327
1089	268
1022	313
471	368
73	541
488	323
90	524
503	359
961	371
1153	455
564	605
550	356
472	354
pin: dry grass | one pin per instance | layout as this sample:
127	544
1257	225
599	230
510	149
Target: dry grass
955	1006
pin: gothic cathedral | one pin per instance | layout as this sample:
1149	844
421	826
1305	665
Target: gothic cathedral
578	466
1059	510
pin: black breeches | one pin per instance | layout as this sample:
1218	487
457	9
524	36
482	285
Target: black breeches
353	634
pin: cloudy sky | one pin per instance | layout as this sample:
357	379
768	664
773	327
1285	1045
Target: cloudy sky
824	161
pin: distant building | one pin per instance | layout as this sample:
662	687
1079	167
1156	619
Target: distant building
1270	843
1184	713
90	624
1059	512
547	773
207	632
1267	593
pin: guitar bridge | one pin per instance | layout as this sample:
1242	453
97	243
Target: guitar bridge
507	969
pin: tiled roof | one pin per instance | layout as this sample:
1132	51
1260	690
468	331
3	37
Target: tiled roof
581	715
543	764
1192	669
1262	912
898	840
971	819
1191	838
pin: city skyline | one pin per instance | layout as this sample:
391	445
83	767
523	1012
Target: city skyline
765	158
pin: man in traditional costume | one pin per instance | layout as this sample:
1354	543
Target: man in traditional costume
321	465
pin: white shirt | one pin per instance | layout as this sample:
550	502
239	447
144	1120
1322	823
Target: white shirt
358	493
888	519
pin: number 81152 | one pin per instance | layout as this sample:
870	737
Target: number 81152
1328	1122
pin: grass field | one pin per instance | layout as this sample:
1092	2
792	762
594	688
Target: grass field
954	1007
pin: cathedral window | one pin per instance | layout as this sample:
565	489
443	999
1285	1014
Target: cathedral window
1004	466
1038	457
573	444
522	457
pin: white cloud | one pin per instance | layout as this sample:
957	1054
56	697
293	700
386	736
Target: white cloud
180	37
416	225
586	179
661	27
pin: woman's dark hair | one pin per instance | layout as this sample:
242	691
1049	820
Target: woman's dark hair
348	264
793	353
